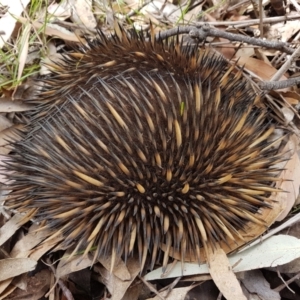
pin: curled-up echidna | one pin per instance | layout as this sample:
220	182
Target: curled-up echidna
135	143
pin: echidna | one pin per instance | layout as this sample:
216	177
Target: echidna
136	142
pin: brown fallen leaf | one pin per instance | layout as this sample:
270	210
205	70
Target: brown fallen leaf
36	287
119	270
117	287
290	178
11	226
175	294
7	105
67	266
12	267
258	67
223	275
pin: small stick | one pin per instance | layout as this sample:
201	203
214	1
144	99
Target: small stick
206	30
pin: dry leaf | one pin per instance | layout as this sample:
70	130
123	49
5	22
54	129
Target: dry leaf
291	97
12	267
24	246
7	105
256	284
174	294
6	136
258	67
76	263
84	13
157	8
288	114
291	179
4	122
40	250
8	21
223	275
116	286
52	30
23	52
36	287
284	31
120	269
4	285
274	251
11	226
61	11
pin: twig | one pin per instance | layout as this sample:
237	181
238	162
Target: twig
277	85
206	30
282	286
286	65
296	5
274	84
67	293
243	23
171	286
284	282
261	18
151	288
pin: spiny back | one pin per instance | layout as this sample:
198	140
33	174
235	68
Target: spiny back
135	143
